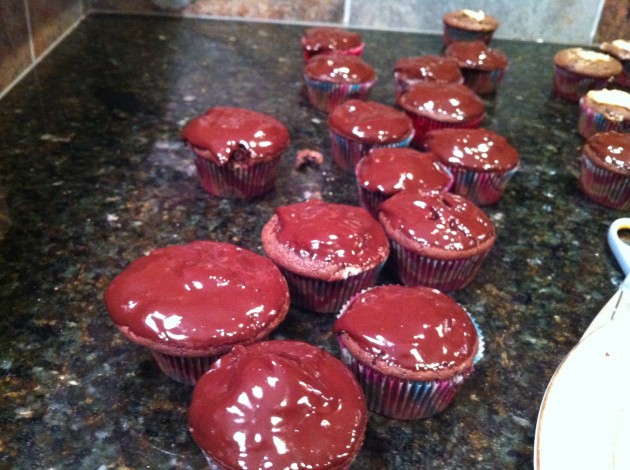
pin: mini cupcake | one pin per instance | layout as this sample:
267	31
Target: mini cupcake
278	404
438	240
468	25
387	171
411	348
620	50
332	79
326	39
189	304
356	127
605	170
426	68
327	252
436	106
578	70
483	67
237	151
604	110
482	162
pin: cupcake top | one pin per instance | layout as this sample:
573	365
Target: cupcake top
329	241
477	149
476	55
620	48
587	62
238	135
391	170
429	68
444	102
278	404
322	39
198	296
370	122
609	150
613	104
446	225
414	333
337	68
471	20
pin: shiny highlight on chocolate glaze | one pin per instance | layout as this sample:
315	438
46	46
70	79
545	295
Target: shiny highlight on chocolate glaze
611	149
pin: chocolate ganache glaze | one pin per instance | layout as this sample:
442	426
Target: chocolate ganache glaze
329	39
225	134
429	68
278	404
199	295
450	102
610	150
476	55
338	68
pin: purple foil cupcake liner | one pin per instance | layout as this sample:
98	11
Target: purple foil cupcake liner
414	269
603	186
591	122
482	188
423	124
347	152
483	82
571	86
453	34
237	182
183	369
325	95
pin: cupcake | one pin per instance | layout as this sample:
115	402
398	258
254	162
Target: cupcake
604	110
356	127
438	240
620	50
482	162
436	106
605	169
332	79
327	39
411	348
237	151
387	171
578	70
483	67
327	252
278	404
426	68
468	25
189	304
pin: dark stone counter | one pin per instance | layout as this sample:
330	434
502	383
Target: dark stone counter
93	174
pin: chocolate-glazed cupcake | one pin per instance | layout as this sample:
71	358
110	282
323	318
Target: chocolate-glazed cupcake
483	67
468	25
426	68
328	39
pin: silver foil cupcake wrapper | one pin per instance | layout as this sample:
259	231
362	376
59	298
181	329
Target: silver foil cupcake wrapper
481	187
347	153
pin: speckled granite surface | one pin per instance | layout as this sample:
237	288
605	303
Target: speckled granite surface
93	175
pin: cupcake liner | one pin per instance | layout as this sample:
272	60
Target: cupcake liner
370	200
415	269
183	369
240	182
402	84
213	465
423	124
325	95
347	152
483	82
591	122
353	51
571	86
623	79
453	34
482	188
603	186
407	399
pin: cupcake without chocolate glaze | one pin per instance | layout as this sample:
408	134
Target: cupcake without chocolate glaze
605	169
328	39
327	252
278	404
604	110
620	50
483	67
438	240
426	68
468	25
411	348
332	79
237	151
189	304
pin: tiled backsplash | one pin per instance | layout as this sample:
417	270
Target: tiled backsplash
29	28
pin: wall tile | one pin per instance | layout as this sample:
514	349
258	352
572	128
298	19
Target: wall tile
15	54
50	20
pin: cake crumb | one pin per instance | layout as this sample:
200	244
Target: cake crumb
308	158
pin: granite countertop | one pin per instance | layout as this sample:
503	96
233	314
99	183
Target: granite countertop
93	175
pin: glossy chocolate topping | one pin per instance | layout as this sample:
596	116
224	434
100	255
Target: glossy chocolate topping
445	102
471	20
478	149
446	221
370	122
429	68
199	295
610	150
327	39
587	62
278	405
332	233
416	328
476	55
338	68
224	134
390	170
